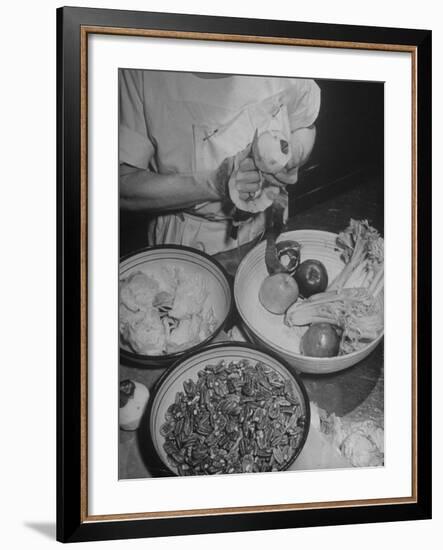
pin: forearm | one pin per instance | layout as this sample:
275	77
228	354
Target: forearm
302	143
144	190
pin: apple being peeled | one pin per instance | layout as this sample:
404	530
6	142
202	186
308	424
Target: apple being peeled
278	292
312	277
271	151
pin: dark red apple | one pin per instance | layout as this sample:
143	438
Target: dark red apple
320	340
311	277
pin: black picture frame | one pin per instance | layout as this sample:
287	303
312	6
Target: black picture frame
72	523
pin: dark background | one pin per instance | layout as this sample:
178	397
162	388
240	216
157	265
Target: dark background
345	167
349	149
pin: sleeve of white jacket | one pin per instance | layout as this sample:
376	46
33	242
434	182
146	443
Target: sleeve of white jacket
135	147
304	104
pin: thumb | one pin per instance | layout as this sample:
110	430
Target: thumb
247	151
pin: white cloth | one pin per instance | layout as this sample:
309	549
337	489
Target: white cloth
173	122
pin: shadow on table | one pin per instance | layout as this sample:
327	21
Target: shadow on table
345	391
46	529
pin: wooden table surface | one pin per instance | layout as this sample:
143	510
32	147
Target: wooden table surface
357	392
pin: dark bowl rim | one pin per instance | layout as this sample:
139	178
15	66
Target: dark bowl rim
144	430
154	361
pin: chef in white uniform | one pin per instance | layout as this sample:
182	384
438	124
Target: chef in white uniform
183	135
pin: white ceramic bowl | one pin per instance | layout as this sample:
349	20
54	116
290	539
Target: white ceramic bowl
150	261
163	395
269	330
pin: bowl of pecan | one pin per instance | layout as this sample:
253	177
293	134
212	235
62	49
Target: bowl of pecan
228	409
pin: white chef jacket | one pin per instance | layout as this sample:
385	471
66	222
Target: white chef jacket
177	122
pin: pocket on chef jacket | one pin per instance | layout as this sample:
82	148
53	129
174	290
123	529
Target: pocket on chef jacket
212	143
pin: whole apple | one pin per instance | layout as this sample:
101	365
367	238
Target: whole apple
278	292
312	277
320	340
271	151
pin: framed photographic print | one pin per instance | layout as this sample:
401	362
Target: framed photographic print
244	269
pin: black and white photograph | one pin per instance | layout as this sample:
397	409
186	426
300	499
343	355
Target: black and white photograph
251	274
